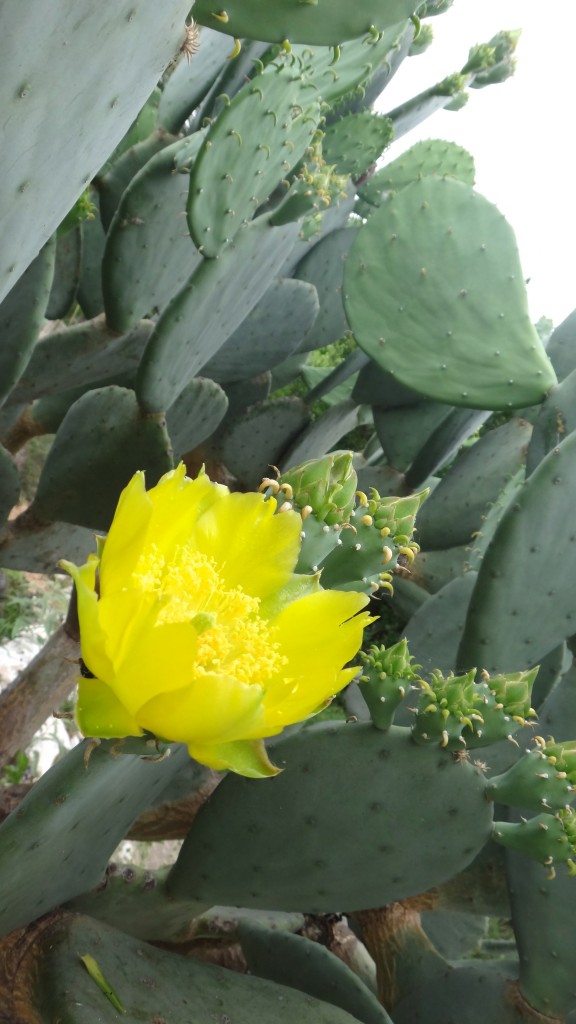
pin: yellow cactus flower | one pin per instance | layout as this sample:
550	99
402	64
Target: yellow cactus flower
195	628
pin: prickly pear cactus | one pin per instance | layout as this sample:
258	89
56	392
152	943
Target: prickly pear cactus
325	634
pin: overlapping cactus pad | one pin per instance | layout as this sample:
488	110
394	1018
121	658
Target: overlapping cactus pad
326	23
295	387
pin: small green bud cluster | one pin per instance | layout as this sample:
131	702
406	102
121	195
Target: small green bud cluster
324	487
542	780
462	713
387	674
548	838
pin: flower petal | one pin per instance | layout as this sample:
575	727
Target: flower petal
125	539
252	547
318	635
92	636
177	503
212	709
100	713
159	660
122	615
245	757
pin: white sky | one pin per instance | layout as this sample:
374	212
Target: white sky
521	132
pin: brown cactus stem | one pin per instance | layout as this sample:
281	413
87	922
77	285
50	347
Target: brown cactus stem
480	889
525	1011
20	953
399	946
172	820
40	688
21	431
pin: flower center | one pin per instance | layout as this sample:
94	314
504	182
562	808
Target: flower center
233	639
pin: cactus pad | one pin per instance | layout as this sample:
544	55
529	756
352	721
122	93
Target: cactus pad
344	787
22	316
325	23
102	441
149	254
250	148
271	332
208	309
432	156
434	292
109	86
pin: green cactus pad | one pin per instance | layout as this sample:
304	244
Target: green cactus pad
483	537
68	825
9	485
432	156
455	509
377	387
335	216
132	898
547	838
561	348
80	355
554	421
196	413
207	311
323	267
66	273
366	96
271	332
538	897
435	629
257	439
481	991
434	292
101	87
46	414
355	142
309	967
141	129
434	569
322	24
22	316
149	254
253	144
102	441
111	186
443	444
357	61
323	434
344	787
332	386
505	626
191	80
403	432
245	393
542	780
151	984
455	935
34	547
90	296
234	73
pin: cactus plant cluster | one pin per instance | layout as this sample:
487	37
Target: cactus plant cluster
185	258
